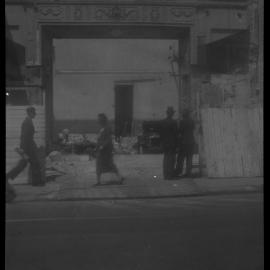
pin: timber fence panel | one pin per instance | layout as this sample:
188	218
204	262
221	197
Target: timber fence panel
233	141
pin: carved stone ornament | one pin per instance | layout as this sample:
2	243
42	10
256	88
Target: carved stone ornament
155	14
116	13
78	13
181	13
51	12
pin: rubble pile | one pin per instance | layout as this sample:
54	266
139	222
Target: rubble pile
86	144
127	145
79	144
56	166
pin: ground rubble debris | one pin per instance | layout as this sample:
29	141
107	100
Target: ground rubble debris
126	145
56	165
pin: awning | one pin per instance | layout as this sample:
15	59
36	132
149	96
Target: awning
239	39
227	54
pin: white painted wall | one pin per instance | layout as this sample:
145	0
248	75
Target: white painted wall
152	99
83	96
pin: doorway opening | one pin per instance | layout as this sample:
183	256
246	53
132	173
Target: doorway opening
78	88
123	110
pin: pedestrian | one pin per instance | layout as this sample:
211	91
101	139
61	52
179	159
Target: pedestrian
28	151
104	158
169	143
16	170
10	192
186	144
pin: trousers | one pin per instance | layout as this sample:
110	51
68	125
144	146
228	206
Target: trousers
168	164
181	157
34	166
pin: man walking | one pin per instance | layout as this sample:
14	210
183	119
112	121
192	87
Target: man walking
186	144
169	143
29	150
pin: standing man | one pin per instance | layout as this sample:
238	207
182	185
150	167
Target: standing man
186	143
169	143
29	148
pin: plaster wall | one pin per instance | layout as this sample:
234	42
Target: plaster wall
86	72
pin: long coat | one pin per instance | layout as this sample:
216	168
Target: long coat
169	135
104	161
169	143
186	131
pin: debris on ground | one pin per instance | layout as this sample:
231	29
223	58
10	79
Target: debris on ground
78	144
55	156
126	145
86	144
56	166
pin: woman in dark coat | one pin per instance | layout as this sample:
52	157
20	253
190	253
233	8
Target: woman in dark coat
104	161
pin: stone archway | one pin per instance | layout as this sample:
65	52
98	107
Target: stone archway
125	21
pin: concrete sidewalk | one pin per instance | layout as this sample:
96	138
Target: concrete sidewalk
143	175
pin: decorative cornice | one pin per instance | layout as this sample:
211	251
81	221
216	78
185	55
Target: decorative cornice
183	3
106	11
116	13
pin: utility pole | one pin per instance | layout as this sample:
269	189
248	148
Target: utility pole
176	64
261	47
255	60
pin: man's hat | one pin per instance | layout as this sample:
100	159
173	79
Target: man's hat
170	109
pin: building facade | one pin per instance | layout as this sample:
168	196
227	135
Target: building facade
203	29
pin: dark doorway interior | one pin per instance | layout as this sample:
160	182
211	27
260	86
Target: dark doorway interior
123	110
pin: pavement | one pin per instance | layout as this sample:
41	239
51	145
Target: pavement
223	232
143	179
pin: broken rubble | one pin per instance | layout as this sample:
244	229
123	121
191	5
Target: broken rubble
56	165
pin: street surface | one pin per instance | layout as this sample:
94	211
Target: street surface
143	179
195	233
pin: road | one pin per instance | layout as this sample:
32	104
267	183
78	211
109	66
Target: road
199	233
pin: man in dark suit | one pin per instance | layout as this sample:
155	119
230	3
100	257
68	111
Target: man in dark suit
28	151
169	143
186	143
